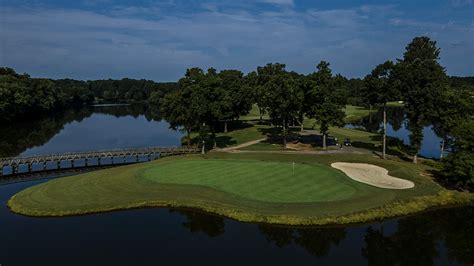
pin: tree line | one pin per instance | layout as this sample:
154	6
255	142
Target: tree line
22	96
205	100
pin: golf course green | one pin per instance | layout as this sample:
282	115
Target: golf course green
272	188
262	181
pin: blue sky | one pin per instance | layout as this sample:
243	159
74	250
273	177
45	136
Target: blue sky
94	39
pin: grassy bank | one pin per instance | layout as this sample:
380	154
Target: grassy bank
247	187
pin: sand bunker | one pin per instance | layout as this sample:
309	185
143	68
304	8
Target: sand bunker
372	175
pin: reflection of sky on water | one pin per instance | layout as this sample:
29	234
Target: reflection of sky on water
431	143
143	235
102	131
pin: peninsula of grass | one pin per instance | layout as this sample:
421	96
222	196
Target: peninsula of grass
256	187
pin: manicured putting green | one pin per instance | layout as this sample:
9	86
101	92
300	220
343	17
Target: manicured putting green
247	187
263	181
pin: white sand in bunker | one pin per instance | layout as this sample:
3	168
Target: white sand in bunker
372	175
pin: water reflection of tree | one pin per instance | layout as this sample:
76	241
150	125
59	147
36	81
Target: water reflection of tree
373	122
201	222
396	117
416	240
317	241
19	136
16	137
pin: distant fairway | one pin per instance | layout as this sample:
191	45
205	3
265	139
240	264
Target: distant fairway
263	181
247	187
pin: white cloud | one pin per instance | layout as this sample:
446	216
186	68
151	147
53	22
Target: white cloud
460	3
279	2
159	45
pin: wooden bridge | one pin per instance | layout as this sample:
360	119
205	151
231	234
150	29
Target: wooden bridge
123	154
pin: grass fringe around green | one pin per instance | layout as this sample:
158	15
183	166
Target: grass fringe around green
390	210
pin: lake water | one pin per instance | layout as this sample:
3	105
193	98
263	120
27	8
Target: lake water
396	127
163	236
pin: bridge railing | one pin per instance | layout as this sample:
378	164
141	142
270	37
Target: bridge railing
100	154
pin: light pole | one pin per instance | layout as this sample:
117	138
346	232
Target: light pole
203	147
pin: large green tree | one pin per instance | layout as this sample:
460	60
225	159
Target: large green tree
179	108
421	79
237	100
212	102
257	81
327	99
281	97
378	91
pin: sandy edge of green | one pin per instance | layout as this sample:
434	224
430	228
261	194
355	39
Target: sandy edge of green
394	209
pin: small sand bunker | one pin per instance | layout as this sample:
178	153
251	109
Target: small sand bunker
372	175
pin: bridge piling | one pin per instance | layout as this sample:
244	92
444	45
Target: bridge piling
14	169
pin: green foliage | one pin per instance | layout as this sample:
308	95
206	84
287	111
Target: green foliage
378	89
76	92
22	96
458	166
421	79
205	100
281	95
238	95
454	106
326	97
128	90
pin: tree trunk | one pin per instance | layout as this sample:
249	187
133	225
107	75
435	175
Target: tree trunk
324	140
384	148
203	151
302	124
214	136
284	133
415	158
189	137
225	127
261	115
442	149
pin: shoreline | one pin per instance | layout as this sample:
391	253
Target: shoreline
392	210
129	187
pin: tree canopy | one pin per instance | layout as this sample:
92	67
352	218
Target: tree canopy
422	80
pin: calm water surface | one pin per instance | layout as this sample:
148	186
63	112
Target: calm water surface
397	128
184	237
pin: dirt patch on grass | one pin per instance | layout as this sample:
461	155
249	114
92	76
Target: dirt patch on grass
372	175
299	146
